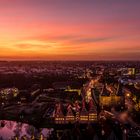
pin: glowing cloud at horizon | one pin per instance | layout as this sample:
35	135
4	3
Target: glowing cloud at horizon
70	30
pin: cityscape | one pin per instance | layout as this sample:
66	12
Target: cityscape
69	70
82	99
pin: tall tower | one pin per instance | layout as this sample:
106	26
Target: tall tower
104	97
84	113
92	111
120	96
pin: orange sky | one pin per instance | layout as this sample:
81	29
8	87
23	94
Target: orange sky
68	30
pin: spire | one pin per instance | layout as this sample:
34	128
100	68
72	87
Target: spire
92	111
83	104
69	111
83	111
105	92
59	110
70	116
77	107
92	106
59	116
119	90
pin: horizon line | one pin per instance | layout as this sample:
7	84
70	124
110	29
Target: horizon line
43	60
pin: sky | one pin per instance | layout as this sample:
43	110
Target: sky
70	29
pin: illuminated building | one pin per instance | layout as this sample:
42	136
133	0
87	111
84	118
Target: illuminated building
131	71
8	93
73	90
111	96
70	118
59	117
75	115
92	111
104	97
84	114
128	71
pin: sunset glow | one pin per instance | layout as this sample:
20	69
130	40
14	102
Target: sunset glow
70	30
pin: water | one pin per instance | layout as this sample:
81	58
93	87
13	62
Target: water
10	129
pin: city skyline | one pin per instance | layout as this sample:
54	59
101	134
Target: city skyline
69	30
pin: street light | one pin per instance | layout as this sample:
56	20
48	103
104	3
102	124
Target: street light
128	94
103	132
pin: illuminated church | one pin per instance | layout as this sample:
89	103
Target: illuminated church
111	97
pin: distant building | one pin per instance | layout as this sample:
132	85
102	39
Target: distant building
8	93
111	96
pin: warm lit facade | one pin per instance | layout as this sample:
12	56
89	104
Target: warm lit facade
84	116
113	97
70	118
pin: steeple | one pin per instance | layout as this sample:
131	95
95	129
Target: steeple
119	90
92	106
84	113
59	116
92	111
59	110
105	92
84	110
70	116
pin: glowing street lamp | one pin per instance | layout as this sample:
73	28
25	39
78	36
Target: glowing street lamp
128	95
